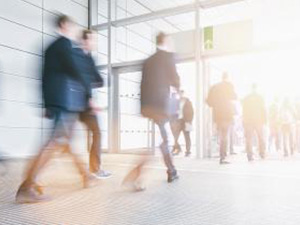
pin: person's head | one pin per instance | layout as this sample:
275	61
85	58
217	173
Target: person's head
88	40
161	39
66	26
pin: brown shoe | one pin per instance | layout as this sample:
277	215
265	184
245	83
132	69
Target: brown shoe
30	195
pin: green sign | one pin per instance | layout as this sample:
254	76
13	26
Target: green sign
208	38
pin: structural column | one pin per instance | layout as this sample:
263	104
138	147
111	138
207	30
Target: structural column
199	85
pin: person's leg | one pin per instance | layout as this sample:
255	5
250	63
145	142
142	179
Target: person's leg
91	121
249	140
176	129
223	128
284	139
164	147
261	141
291	139
231	139
187	138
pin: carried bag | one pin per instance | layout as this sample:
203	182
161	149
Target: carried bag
76	96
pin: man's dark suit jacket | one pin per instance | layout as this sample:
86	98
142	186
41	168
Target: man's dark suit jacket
88	68
63	84
220	98
158	75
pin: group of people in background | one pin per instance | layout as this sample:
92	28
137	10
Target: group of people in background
282	119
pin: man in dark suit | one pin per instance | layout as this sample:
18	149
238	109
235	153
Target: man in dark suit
183	123
220	99
89	117
66	93
158	76
254	117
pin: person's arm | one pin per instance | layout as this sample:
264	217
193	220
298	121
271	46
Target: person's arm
68	58
99	82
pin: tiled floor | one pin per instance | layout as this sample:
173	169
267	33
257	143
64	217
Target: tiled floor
242	193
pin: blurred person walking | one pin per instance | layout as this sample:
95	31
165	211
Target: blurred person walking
158	76
297	132
287	120
183	123
274	125
254	118
65	93
221	99
89	116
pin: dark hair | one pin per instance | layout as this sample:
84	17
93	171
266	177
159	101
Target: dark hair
86	33
160	38
62	19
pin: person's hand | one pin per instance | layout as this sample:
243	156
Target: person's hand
94	108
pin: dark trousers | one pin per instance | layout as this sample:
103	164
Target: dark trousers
223	131
250	131
177	127
63	123
164	147
92	123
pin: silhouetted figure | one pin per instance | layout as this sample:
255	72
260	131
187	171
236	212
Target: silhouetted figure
158	75
89	117
297	133
274	125
65	93
221	99
287	119
254	117
183	123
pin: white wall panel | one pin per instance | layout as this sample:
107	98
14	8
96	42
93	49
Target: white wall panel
38	3
49	23
20	89
20	142
76	11
30	15
14	114
102	7
102	44
28	65
82	2
20	37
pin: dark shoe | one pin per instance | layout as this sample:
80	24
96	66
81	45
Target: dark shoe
224	162
262	156
187	154
30	195
250	159
172	177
